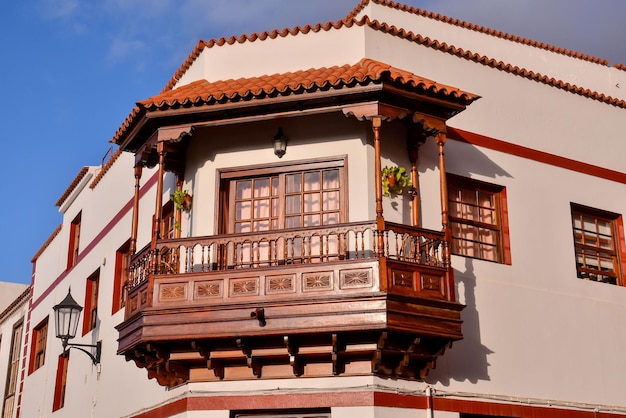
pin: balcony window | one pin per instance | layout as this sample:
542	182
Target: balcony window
596	247
38	352
478	219
288	200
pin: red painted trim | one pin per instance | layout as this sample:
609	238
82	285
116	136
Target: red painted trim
125	209
621	249
348	399
535	155
506	239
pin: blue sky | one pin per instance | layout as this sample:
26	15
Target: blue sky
73	69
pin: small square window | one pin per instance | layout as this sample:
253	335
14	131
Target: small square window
597	249
38	351
478	220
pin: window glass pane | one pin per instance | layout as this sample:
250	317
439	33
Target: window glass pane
311	220
331	218
331	200
242	227
261	226
275	207
292	222
243	189
604	227
242	210
331	179
293	183
312	181
261	208
261	187
293	204
311	202
274	186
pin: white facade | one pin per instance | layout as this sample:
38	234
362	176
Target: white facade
534	335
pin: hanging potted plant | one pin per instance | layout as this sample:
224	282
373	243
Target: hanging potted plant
182	200
395	179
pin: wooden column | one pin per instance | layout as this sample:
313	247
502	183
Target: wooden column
415	203
178	215
135	224
158	210
380	220
440	138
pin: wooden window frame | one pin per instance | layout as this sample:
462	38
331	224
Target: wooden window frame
501	227
122	257
90	313
618	252
60	385
224	210
74	241
38	344
10	389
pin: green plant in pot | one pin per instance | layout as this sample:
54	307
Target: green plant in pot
182	200
395	180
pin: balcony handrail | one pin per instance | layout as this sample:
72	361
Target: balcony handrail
348	241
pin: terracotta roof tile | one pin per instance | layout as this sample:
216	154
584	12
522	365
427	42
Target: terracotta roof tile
105	168
477	28
72	186
47	243
366	71
22	298
350	20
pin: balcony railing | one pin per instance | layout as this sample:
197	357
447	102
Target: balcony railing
352	241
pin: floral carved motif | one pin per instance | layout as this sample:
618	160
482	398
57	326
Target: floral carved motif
431	283
208	289
356	278
172	292
281	284
244	287
317	281
401	278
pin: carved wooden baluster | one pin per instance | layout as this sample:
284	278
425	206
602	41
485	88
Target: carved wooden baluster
399	238
342	251
386	241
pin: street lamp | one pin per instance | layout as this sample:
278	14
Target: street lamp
66	316
280	143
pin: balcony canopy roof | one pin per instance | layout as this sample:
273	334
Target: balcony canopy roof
319	86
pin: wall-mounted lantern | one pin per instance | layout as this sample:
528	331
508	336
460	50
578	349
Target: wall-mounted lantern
66	316
280	143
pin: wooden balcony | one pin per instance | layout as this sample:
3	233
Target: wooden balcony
344	299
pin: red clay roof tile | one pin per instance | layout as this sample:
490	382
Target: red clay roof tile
72	186
425	41
366	71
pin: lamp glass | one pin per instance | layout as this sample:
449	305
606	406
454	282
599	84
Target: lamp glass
280	144
66	315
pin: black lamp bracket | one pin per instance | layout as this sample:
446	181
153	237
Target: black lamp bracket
95	358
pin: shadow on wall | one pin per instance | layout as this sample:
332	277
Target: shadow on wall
466	359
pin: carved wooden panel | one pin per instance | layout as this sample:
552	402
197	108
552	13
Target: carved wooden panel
285	283
244	287
317	281
432	286
402	278
172	292
355	278
208	289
